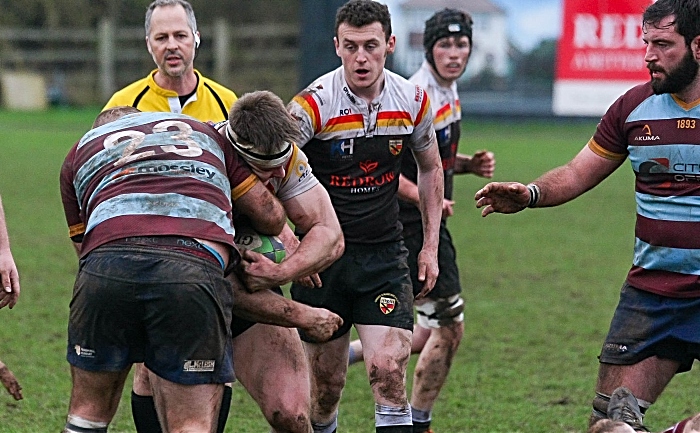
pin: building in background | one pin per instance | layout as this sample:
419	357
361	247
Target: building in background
491	47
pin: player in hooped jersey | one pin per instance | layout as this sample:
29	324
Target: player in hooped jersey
357	122
653	333
148	200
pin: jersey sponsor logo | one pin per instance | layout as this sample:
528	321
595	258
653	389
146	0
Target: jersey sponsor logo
614	347
647	135
301	170
387	302
84	352
395	146
362	184
342	149
369	166
169	168
350	96
199	365
419	94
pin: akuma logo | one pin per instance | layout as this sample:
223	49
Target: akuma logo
369	166
648	136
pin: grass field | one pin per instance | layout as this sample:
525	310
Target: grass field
540	288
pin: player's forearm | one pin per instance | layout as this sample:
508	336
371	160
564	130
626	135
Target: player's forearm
265	306
319	248
569	181
4	237
431	191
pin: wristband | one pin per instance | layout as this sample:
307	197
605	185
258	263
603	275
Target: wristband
534	194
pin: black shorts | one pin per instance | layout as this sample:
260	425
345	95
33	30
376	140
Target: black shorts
240	325
447	283
646	324
368	285
168	309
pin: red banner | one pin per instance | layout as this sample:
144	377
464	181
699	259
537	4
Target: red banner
602	40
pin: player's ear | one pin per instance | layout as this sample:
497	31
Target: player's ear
148	46
695	47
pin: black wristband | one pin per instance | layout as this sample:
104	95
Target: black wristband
534	194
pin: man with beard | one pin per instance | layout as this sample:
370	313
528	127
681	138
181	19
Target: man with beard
653	334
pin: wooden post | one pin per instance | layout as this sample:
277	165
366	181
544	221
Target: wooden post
221	50
107	62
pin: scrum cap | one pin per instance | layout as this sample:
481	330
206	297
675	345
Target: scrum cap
444	23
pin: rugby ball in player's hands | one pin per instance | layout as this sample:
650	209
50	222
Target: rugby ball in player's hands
269	246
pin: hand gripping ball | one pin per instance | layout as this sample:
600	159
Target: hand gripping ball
269	246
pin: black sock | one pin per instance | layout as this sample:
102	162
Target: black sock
143	409
421	427
225	407
395	429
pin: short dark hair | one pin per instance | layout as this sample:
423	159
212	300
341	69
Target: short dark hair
359	13
686	13
112	114
261	119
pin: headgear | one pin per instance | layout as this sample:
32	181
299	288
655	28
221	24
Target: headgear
447	22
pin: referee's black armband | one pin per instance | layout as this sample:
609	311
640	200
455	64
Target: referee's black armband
534	194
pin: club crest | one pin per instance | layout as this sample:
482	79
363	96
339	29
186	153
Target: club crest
387	302
395	146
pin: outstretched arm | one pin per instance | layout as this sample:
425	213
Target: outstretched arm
9	277
553	188
322	243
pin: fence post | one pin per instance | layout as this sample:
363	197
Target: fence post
107	62
221	50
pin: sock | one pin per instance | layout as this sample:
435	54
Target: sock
421	420
352	358
76	424
224	410
330	427
389	419
143	409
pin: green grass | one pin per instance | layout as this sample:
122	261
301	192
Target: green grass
540	288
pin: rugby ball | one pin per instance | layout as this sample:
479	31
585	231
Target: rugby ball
269	246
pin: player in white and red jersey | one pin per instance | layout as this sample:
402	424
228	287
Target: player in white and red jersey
653	333
147	198
447	40
357	123
269	359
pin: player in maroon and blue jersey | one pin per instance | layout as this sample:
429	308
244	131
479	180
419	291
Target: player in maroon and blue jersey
148	200
654	332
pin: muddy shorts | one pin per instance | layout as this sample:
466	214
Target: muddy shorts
368	285
646	324
168	309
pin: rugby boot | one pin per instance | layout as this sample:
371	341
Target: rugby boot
623	407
